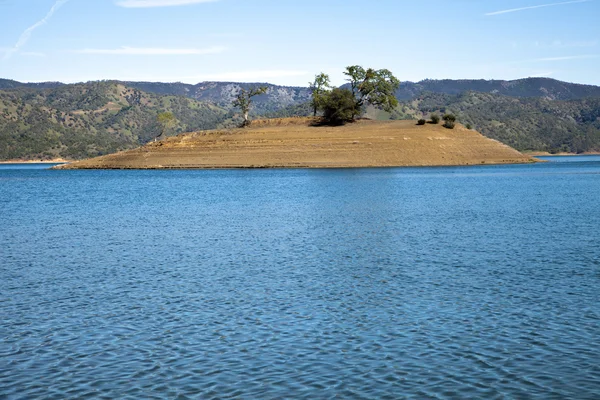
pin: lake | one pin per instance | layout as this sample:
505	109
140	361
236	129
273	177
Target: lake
450	282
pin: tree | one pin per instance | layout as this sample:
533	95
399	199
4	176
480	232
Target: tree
243	101
376	87
339	106
319	90
449	124
166	120
449	117
435	119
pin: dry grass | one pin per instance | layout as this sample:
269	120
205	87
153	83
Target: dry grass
297	143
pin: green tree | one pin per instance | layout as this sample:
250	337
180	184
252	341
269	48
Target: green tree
449	117
449	124
376	87
243	100
319	90
339	106
166	120
435	119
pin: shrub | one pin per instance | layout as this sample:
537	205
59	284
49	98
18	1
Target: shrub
435	119
449	118
449	124
339	106
469	126
421	122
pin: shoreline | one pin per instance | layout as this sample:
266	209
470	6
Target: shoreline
298	143
299	166
53	161
546	154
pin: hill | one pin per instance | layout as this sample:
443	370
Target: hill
527	124
223	93
547	88
296	143
50	119
10	84
87	120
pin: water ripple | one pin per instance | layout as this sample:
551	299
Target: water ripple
385	283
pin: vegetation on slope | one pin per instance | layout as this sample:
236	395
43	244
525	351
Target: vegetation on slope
523	123
86	120
50	119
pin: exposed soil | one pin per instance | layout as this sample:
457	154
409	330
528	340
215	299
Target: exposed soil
296	143
52	161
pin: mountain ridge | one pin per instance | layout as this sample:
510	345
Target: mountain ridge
51	119
220	92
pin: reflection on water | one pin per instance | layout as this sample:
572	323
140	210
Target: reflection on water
375	283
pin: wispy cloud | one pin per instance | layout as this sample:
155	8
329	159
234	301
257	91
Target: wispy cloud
152	51
159	3
566	58
555	44
26	35
537	75
247	76
32	54
584	43
534	7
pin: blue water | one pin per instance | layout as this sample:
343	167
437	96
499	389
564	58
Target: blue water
444	283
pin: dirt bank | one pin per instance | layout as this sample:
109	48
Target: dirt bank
296	143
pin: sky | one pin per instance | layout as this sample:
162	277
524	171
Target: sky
288	42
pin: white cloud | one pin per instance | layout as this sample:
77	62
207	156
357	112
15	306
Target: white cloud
542	74
536	75
246	76
24	38
32	54
149	51
566	58
554	59
534	7
159	3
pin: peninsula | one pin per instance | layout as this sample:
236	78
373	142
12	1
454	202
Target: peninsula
301	143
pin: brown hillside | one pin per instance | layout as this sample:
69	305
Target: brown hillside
295	143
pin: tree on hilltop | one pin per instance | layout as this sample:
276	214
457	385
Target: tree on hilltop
243	101
339	106
376	87
319	90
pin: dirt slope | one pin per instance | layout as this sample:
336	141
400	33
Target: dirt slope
295	143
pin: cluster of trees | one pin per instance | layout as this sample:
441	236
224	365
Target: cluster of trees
449	120
339	105
367	86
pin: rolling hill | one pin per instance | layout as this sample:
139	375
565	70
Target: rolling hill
87	120
51	119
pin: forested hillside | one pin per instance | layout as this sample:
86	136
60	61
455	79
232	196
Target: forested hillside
223	93
51	119
523	123
530	87
85	120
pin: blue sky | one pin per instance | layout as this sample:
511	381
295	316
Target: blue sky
289	41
